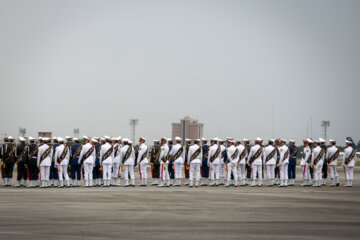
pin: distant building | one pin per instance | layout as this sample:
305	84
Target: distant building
45	134
188	128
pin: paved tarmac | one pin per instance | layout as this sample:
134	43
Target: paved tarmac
181	213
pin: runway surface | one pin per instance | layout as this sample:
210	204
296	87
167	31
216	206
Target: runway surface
181	213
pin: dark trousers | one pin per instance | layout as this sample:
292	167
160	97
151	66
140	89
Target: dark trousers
155	170
171	170
21	171
277	172
7	171
96	172
53	172
325	169
76	172
187	170
204	169
292	168
33	171
248	171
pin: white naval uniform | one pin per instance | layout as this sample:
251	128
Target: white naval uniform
46	163
241	173
128	164
116	167
349	168
179	162
106	163
164	162
231	165
306	164
222	165
284	163
63	165
319	164
143	149
256	165
332	166
88	162
271	163
215	164
195	164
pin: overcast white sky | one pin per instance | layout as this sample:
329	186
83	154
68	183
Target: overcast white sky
94	65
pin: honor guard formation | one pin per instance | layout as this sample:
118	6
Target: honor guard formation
105	161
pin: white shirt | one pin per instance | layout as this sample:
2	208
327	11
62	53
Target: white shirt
330	152
283	149
315	153
241	148
191	151
230	151
143	149
58	151
104	148
47	161
164	152
253	150
212	151
174	150
347	153
131	158
84	150
306	155
117	149
266	152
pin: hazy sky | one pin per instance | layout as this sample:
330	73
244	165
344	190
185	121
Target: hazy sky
94	65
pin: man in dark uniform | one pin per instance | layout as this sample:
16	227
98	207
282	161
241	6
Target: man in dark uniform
171	167
325	165
277	172
186	166
74	163
247	167
31	163
8	161
155	163
69	144
292	163
96	171
54	177
2	152
22	152
204	165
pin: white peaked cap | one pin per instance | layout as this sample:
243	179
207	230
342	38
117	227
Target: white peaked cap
60	139
119	137
155	140
245	140
68	137
187	140
169	139
197	139
258	139
22	139
272	140
126	140
55	138
291	140
102	139
31	138
94	140
40	138
107	137
322	140
76	139
85	137
164	138
45	139
203	139
309	140
130	142
347	141
177	138
10	137
230	140
332	140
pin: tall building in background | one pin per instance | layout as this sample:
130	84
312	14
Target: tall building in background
188	128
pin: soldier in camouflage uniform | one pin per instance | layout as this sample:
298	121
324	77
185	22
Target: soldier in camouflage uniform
8	161
155	162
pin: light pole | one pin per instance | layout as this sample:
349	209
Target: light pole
133	123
